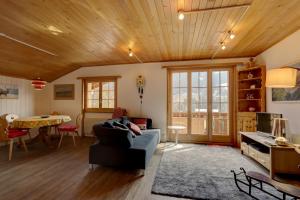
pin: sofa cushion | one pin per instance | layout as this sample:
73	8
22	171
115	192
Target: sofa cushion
108	125
134	128
148	124
140	122
118	125
113	136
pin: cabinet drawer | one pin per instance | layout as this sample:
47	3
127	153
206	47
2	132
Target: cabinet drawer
252	152
244	148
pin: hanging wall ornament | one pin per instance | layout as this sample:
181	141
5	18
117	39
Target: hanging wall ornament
140	83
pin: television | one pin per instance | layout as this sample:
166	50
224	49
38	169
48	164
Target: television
264	121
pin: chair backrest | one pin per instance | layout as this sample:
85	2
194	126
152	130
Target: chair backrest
3	127
11	117
78	120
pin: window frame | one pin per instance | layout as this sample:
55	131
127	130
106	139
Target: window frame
100	80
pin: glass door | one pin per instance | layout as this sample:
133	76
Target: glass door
200	101
221	114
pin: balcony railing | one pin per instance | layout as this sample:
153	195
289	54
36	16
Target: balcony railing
199	122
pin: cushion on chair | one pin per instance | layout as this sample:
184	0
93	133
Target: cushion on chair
67	127
18	129
13	133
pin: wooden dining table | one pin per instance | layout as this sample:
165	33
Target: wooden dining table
43	123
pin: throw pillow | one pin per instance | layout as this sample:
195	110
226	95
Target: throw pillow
118	124
108	125
123	127
119	112
134	128
140	122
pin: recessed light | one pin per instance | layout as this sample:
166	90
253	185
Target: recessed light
180	15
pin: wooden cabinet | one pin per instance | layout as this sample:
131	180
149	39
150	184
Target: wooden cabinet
279	160
246	122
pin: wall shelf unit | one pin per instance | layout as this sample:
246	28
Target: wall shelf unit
251	89
251	94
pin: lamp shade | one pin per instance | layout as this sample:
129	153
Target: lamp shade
38	84
281	78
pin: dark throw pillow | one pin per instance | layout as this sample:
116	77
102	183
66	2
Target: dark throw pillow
108	125
118	125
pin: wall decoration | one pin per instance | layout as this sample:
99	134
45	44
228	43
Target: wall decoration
9	92
64	92
288	94
140	83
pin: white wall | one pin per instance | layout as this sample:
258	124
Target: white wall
24	105
155	94
286	52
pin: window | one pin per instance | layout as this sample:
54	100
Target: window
100	94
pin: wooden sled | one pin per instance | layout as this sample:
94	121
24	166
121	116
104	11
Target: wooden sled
258	180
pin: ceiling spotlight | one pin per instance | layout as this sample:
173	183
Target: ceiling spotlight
223	47
231	35
180	15
130	53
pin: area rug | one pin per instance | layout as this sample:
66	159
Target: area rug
202	172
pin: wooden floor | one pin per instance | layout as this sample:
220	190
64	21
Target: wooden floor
44	173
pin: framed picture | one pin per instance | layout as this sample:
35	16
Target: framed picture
9	92
64	92
288	94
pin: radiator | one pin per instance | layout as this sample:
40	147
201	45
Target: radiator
89	123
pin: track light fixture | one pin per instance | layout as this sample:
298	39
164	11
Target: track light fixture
130	53
180	15
231	35
223	47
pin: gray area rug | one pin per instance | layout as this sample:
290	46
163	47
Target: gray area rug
202	172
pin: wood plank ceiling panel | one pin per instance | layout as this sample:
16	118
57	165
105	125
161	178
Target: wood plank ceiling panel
99	32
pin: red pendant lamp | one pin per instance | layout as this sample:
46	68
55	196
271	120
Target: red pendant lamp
38	84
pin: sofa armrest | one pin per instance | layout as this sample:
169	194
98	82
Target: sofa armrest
153	131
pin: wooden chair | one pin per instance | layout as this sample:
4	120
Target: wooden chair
8	135
55	127
69	129
10	118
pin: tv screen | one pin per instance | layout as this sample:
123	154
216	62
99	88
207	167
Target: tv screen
264	121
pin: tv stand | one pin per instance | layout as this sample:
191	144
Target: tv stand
263	149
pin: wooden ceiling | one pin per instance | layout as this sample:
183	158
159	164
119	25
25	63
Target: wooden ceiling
99	32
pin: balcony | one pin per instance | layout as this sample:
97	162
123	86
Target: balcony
220	122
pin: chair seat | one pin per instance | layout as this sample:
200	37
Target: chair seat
13	133
67	127
18	129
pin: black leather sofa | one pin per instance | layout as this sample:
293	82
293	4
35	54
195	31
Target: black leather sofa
118	148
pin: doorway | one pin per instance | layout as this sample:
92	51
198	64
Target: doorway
201	100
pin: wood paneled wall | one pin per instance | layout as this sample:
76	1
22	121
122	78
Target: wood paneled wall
24	105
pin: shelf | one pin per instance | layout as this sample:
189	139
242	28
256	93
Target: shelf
250	89
250	79
249	99
250	69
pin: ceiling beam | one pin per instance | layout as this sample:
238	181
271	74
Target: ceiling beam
215	9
